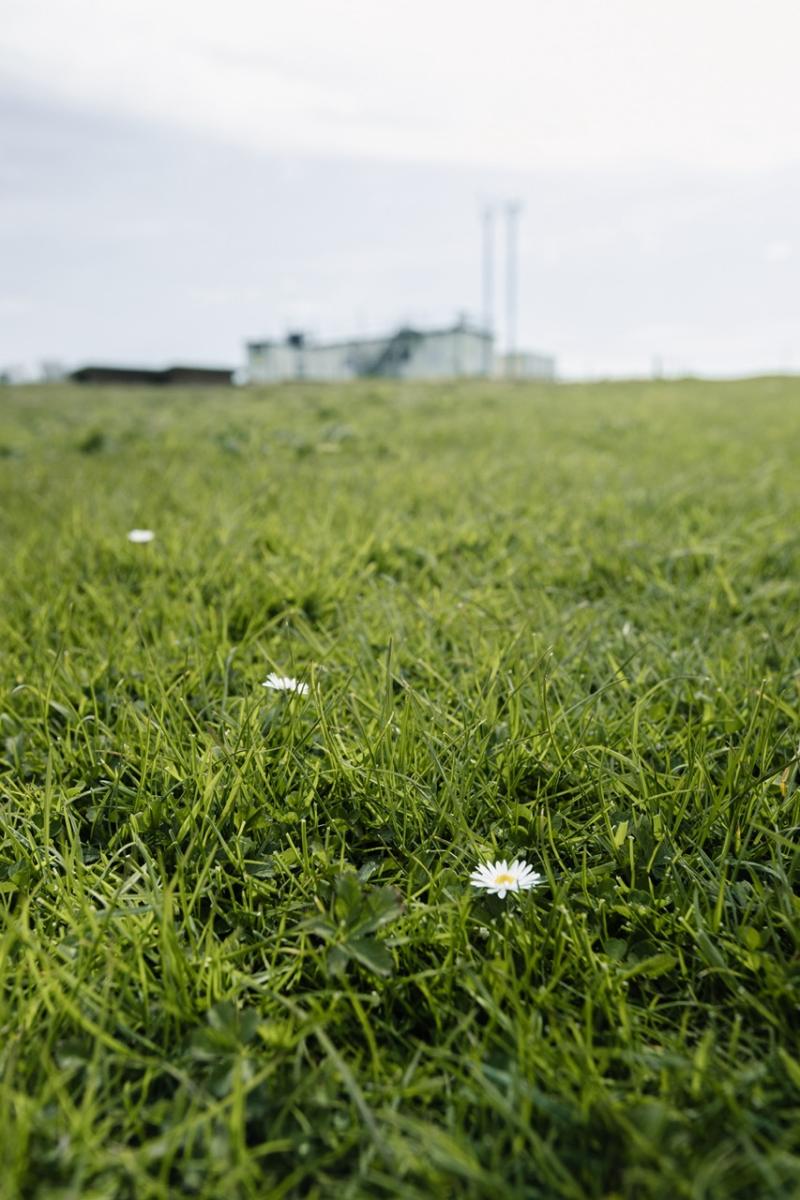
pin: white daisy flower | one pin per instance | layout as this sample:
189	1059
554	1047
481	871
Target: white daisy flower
141	535
284	683
501	877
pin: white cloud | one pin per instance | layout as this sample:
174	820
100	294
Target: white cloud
573	83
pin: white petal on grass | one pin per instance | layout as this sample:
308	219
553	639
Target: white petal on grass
501	877
284	683
141	535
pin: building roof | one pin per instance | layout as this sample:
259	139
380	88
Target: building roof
408	331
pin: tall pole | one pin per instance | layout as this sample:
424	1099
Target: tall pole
488	286
512	218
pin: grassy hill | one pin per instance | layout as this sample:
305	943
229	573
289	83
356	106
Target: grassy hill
239	949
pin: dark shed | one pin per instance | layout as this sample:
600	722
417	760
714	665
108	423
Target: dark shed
99	374
203	376
198	375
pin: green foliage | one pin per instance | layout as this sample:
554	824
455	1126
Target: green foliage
356	917
239	951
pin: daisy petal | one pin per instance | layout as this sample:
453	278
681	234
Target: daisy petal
285	683
499	878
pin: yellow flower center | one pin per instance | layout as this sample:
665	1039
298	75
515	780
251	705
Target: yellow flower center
504	879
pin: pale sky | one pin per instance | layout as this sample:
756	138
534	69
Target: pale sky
177	176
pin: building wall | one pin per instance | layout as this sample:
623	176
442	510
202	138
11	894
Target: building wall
429	356
445	355
271	362
343	360
208	376
525	365
169	375
276	361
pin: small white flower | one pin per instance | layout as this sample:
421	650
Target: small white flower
500	877
284	683
141	535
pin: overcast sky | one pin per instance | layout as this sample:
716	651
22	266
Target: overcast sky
177	176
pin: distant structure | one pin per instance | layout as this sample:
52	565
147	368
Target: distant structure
525	365
463	350
406	354
198	375
52	371
195	376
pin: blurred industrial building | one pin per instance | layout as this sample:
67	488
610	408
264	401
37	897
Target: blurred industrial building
460	351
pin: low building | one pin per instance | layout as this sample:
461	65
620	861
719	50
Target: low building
202	376
104	374
525	365
462	350
194	376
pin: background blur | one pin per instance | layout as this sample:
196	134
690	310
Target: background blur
178	177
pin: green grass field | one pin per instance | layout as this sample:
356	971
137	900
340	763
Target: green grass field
241	956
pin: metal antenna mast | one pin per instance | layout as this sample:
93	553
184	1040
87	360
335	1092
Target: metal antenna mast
512	218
